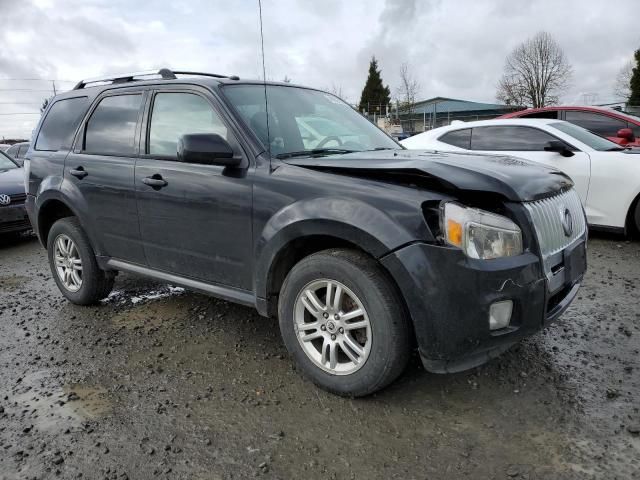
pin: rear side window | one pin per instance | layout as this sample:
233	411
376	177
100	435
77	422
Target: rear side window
459	138
544	114
111	130
60	123
176	114
23	151
13	151
509	138
602	125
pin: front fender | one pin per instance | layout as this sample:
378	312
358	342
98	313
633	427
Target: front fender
346	219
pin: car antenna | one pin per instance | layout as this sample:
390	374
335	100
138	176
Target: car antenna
264	80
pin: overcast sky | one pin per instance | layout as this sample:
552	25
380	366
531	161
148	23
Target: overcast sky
456	48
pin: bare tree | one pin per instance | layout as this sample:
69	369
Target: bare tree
407	93
336	89
622	87
535	73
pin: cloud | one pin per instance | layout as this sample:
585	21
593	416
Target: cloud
455	49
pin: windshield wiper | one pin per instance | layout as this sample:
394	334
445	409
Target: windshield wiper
615	149
314	151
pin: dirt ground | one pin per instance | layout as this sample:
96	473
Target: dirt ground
162	383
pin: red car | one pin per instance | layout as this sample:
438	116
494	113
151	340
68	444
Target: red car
621	128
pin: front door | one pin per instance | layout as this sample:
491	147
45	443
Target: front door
100	170
195	219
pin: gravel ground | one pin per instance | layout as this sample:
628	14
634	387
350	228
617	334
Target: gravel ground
161	383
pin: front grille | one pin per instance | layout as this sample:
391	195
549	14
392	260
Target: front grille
548	215
18	225
17	199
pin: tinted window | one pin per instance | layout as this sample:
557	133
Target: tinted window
112	127
509	138
544	114
586	137
596	123
459	138
22	151
13	151
175	114
60	123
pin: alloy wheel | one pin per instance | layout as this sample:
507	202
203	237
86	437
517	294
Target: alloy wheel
68	263
332	327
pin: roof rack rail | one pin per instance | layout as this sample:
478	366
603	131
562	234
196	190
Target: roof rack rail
163	73
204	74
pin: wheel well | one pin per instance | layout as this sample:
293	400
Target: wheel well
630	226
50	213
291	254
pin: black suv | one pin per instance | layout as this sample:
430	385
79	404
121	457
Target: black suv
286	199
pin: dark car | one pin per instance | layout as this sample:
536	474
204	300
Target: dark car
13	216
619	127
360	247
18	152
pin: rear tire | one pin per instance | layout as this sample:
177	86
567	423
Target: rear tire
635	221
73	264
362	339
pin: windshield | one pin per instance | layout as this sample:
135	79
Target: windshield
585	136
6	163
305	122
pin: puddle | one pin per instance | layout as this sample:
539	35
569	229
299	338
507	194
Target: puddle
152	314
11	282
48	407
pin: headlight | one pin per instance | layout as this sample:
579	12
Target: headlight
480	234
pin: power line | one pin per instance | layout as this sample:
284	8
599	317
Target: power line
36	80
24	90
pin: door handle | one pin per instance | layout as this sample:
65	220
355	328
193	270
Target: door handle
78	172
155	181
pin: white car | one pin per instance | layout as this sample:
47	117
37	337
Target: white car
606	176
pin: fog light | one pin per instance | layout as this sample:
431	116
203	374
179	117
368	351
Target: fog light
500	314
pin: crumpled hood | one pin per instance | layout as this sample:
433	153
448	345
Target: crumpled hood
12	181
514	178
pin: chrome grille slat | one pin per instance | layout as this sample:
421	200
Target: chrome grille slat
547	217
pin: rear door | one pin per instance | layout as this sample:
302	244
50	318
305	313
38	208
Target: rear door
198	223
529	142
100	173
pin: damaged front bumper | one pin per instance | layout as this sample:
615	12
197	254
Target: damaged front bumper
449	297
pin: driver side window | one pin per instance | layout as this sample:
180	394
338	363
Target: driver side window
175	114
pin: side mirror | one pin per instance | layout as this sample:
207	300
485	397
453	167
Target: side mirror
206	149
626	133
558	147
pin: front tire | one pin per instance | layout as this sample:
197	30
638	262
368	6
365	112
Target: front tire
344	323
73	264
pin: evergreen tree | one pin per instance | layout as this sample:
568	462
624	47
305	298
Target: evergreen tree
634	98
374	93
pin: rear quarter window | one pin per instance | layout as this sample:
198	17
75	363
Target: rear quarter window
60	123
458	138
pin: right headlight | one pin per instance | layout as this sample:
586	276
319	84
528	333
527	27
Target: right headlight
480	234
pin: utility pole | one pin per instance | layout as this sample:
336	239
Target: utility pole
53	82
